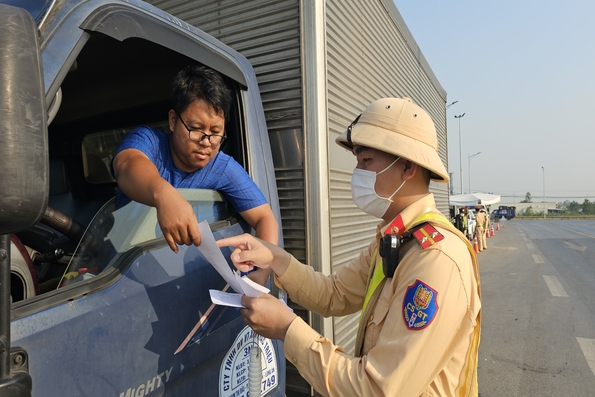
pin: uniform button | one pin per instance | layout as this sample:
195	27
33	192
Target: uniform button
371	317
294	360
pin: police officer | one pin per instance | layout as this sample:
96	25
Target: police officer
419	301
486	213
461	221
480	227
465	230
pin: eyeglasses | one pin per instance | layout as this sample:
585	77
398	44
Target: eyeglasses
198	136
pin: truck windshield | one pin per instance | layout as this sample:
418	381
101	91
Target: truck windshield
114	232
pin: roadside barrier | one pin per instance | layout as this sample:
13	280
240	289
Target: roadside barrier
475	246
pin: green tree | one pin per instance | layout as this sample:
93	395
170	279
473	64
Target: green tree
528	198
588	207
573	207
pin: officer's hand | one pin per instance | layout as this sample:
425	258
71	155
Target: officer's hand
252	252
178	222
267	316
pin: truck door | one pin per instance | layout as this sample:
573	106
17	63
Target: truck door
116	303
124	306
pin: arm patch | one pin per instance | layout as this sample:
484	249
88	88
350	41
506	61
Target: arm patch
420	305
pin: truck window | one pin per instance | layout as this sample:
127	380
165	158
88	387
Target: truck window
97	154
111	88
113	233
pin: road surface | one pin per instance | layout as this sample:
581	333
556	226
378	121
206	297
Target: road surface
538	324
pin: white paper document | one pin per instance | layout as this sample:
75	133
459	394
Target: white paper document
226	298
242	285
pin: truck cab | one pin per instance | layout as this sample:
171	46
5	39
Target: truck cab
507	212
99	303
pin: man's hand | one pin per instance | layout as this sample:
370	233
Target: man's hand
251	252
177	221
139	179
267	316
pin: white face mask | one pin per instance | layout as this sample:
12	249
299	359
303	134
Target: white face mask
364	195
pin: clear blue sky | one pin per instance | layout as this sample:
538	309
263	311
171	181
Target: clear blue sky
523	72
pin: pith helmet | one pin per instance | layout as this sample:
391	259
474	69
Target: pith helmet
400	127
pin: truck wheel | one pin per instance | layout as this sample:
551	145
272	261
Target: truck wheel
23	281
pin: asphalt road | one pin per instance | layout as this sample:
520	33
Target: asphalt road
538	323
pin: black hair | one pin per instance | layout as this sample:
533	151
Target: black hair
200	82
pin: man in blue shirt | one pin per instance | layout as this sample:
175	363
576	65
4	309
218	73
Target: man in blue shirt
149	164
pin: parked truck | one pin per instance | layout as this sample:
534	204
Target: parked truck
111	324
505	211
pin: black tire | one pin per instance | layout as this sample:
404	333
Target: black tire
22	284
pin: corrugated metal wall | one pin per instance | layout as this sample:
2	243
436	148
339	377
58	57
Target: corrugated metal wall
370	54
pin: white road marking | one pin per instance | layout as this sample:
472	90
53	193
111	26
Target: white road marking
525	239
555	287
575	247
538	258
530	246
574	231
588	348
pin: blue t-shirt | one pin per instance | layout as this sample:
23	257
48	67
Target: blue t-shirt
222	173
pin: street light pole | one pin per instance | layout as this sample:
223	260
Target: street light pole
544	210
460	150
469	168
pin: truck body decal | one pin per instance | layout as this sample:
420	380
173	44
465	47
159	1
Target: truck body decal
149	386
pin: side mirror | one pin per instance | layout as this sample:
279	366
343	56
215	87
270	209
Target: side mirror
24	166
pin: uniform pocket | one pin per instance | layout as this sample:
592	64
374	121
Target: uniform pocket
376	320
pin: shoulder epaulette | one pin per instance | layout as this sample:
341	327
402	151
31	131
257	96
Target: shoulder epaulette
427	236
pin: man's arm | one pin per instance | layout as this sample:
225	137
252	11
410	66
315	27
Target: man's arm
263	221
139	179
339	294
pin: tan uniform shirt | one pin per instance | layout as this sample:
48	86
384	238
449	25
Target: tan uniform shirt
395	360
480	218
480	229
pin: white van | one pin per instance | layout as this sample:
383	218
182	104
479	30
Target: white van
471	223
